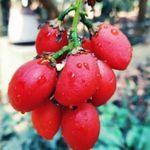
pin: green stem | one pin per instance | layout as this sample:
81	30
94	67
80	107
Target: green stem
77	14
74	34
75	41
86	22
64	13
65	49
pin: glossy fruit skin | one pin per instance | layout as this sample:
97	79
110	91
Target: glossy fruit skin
46	119
107	85
47	40
112	46
81	127
87	45
78	80
31	84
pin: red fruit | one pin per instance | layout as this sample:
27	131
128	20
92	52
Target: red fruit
46	119
31	84
112	46
48	40
81	127
87	45
107	85
78	81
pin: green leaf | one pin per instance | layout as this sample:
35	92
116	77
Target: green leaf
14	144
144	142
133	136
111	135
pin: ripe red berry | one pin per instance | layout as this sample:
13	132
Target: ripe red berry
87	45
107	85
81	127
50	39
78	81
112	46
31	84
46	119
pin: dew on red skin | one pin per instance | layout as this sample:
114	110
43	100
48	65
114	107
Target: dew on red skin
99	44
75	126
86	65
79	65
71	76
114	31
49	34
41	80
24	91
75	82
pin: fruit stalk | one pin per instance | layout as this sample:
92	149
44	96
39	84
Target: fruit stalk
74	35
65	12
74	42
85	21
65	49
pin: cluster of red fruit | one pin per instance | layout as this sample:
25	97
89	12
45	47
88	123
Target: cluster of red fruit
67	98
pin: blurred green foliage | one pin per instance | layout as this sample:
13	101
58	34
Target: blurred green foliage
17	133
120	5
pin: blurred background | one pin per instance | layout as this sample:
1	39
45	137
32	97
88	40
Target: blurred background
125	120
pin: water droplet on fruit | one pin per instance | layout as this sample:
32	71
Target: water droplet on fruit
99	45
49	34
114	31
86	66
41	80
79	65
72	75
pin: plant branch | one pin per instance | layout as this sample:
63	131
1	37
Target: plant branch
65	49
75	41
64	13
74	34
85	21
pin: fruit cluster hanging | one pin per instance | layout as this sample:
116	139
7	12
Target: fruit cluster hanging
70	77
